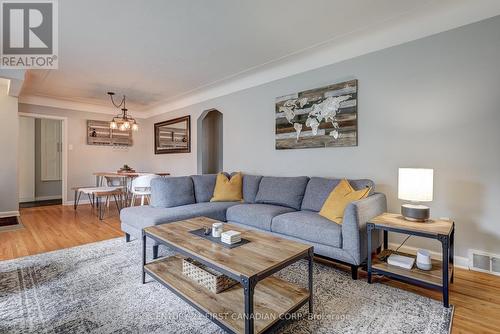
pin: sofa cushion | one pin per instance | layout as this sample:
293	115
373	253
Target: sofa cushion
256	215
250	187
284	191
319	188
309	226
144	216
204	187
167	192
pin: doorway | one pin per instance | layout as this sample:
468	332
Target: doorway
40	161
210	143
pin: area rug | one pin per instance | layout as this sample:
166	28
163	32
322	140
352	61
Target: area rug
96	288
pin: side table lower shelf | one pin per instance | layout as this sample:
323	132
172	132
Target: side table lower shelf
273	297
431	278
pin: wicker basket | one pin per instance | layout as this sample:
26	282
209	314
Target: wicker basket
205	276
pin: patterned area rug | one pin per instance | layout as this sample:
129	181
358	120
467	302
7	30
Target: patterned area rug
96	288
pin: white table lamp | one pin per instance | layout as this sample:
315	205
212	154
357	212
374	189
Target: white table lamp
415	185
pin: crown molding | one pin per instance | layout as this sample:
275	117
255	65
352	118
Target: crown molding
14	87
73	105
426	21
15	81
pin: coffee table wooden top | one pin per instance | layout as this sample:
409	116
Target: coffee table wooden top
431	227
263	253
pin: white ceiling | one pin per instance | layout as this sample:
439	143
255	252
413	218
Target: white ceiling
156	51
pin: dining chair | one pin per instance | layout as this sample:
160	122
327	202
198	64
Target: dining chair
116	182
141	186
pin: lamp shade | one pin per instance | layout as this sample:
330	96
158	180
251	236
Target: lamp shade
415	184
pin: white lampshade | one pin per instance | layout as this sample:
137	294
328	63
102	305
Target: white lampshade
415	184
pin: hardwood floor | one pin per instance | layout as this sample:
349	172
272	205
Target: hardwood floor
49	228
476	296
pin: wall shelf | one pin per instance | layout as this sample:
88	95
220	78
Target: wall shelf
105	136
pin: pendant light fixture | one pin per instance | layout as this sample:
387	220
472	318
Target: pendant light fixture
123	121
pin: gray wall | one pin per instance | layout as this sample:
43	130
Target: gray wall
429	103
43	189
83	159
9	130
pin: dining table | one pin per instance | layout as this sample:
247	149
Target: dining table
127	177
100	176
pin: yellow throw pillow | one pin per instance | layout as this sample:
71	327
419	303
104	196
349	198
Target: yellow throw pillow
228	190
343	194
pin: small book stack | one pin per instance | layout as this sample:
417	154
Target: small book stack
230	237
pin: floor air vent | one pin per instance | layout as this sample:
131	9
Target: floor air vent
495	265
485	262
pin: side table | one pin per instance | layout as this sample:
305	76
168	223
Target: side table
441	273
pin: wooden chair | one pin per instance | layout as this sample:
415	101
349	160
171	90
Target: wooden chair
95	195
117	195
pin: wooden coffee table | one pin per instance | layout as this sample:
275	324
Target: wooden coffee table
260	303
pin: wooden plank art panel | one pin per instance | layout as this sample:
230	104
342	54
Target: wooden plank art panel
99	133
322	117
173	136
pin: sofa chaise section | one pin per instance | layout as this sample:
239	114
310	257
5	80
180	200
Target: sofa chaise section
173	199
134	219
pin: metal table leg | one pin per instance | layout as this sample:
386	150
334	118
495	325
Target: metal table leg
386	240
446	258
143	257
100	208
369	228
77	198
249	287
452	254
118	205
311	263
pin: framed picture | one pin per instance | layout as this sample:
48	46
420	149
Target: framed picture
173	136
321	117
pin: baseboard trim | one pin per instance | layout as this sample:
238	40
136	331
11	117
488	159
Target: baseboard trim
82	201
47	198
460	261
9	214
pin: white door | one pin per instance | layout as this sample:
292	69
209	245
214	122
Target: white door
51	149
26	159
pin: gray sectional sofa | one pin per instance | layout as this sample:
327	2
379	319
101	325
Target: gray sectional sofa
284	206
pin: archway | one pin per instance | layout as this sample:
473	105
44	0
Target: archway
209	148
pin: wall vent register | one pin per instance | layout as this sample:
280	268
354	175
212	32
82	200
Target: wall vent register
484	262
